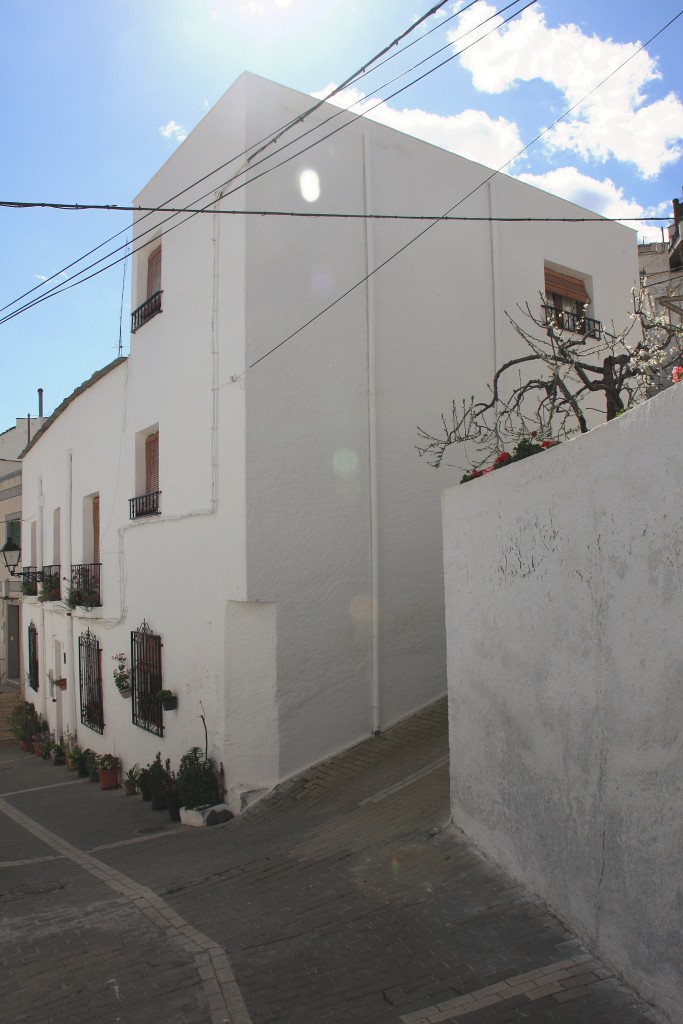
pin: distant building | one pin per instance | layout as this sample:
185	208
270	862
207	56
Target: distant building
238	507
12	443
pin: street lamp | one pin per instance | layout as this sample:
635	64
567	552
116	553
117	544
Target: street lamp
11	556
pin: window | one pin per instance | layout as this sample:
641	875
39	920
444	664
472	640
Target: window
13	531
146	475
146	680
85	577
566	303
90	681
151	287
33	656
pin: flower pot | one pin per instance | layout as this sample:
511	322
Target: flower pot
109	778
25	745
93	775
61	683
169	703
83	772
173	804
130	788
159	801
126	692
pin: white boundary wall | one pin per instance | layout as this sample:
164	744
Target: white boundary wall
564	597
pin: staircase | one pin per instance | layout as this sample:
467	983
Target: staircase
8	701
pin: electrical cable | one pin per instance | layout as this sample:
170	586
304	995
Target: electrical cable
356	76
463	199
318	215
77	278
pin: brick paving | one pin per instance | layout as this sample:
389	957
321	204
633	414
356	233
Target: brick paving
344	897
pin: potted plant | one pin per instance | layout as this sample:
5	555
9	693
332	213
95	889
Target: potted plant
80	758
58	755
156	783
131	779
145	784
198	784
121	675
91	763
24	722
170	783
108	766
168	699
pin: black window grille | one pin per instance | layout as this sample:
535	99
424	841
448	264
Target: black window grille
32	656
90	681
145	661
144	505
85	586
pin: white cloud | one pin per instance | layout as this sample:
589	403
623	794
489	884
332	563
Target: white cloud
616	121
601	196
471	133
174	131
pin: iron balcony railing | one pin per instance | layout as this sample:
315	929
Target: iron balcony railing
575	322
52	589
144	505
29	586
85	585
149	308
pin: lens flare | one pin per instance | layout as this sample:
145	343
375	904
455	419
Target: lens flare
309	184
345	463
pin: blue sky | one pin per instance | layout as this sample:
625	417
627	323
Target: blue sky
97	96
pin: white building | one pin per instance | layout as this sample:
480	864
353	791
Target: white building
284	542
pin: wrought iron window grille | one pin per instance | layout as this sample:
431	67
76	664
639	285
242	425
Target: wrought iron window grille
52	588
84	588
146	679
33	656
90	681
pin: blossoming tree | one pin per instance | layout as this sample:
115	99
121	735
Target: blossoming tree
550	392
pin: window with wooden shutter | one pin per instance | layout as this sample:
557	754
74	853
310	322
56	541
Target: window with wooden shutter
154	272
152	463
572	288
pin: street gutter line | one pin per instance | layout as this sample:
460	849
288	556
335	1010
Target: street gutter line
213	965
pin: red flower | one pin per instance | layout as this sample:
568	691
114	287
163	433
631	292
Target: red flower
502	459
548	444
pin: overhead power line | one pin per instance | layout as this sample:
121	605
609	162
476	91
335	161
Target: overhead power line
78	278
321	215
356	76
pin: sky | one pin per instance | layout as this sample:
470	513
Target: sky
97	97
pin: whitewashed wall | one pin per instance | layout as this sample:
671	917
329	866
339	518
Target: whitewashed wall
564	589
295	571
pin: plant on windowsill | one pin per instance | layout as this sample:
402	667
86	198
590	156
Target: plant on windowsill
50	589
121	674
29	587
108	766
168	700
80	597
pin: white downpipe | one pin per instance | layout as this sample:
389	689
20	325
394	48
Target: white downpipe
372	438
495	273
39	565
69	631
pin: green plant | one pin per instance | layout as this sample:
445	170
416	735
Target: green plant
107	762
163	695
81	596
131	779
198	783
121	673
24	721
144	784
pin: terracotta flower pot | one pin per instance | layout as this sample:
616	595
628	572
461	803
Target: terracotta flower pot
109	778
25	745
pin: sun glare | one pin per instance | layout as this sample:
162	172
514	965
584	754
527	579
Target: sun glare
309	184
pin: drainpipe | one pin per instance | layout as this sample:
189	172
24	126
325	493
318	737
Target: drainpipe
65	527
39	565
495	248
372	438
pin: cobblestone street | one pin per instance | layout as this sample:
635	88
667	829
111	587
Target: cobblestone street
344	897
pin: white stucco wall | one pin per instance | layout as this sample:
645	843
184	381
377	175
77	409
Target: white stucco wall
295	571
564	590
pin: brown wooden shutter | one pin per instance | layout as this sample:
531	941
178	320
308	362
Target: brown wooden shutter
154	272
152	463
96	529
562	284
